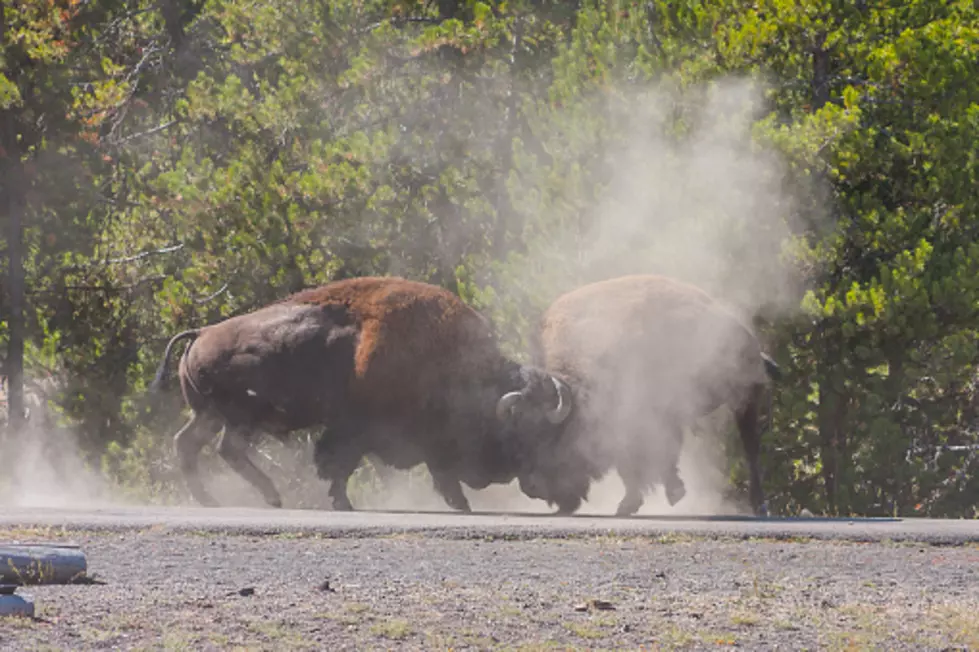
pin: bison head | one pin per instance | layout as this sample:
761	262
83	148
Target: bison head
536	418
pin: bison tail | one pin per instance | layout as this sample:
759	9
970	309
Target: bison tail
163	371
771	368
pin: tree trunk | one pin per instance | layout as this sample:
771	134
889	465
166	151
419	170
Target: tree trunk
13	200
820	73
831	409
448	9
14	364
828	400
831	414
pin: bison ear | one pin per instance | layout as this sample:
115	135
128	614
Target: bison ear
565	401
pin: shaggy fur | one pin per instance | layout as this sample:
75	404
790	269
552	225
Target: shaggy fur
646	356
399	369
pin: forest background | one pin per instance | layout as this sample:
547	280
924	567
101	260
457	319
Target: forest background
170	163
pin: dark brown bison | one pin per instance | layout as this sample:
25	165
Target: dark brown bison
399	369
645	356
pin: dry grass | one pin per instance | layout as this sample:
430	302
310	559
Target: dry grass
395	629
40	534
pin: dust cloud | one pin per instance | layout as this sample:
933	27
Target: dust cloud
706	491
708	207
684	190
45	469
687	192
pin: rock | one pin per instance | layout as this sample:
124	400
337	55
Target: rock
16	605
598	605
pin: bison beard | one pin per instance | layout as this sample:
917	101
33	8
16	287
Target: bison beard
399	369
646	356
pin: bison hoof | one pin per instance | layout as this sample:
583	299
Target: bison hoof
205	500
628	506
342	505
460	506
274	501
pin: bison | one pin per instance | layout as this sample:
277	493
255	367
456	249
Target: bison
646	356
402	370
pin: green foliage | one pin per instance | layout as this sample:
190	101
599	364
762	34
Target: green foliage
893	297
190	161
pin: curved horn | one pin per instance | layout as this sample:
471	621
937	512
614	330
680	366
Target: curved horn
564	402
506	403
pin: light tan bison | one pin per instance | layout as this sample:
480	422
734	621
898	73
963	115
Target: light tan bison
645	357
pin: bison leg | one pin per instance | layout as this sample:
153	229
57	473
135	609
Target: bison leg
187	444
634	475
647	462
449	487
570	490
747	418
556	486
233	448
337	457
568	505
669	473
668	461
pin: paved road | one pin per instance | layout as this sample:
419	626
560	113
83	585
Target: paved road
522	525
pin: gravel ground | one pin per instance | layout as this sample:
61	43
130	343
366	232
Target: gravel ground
170	590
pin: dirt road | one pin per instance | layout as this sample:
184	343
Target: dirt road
217	579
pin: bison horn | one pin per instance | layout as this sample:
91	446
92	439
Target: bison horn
564	401
506	403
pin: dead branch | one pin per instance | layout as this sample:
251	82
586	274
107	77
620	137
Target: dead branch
127	259
212	296
142	134
145	254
